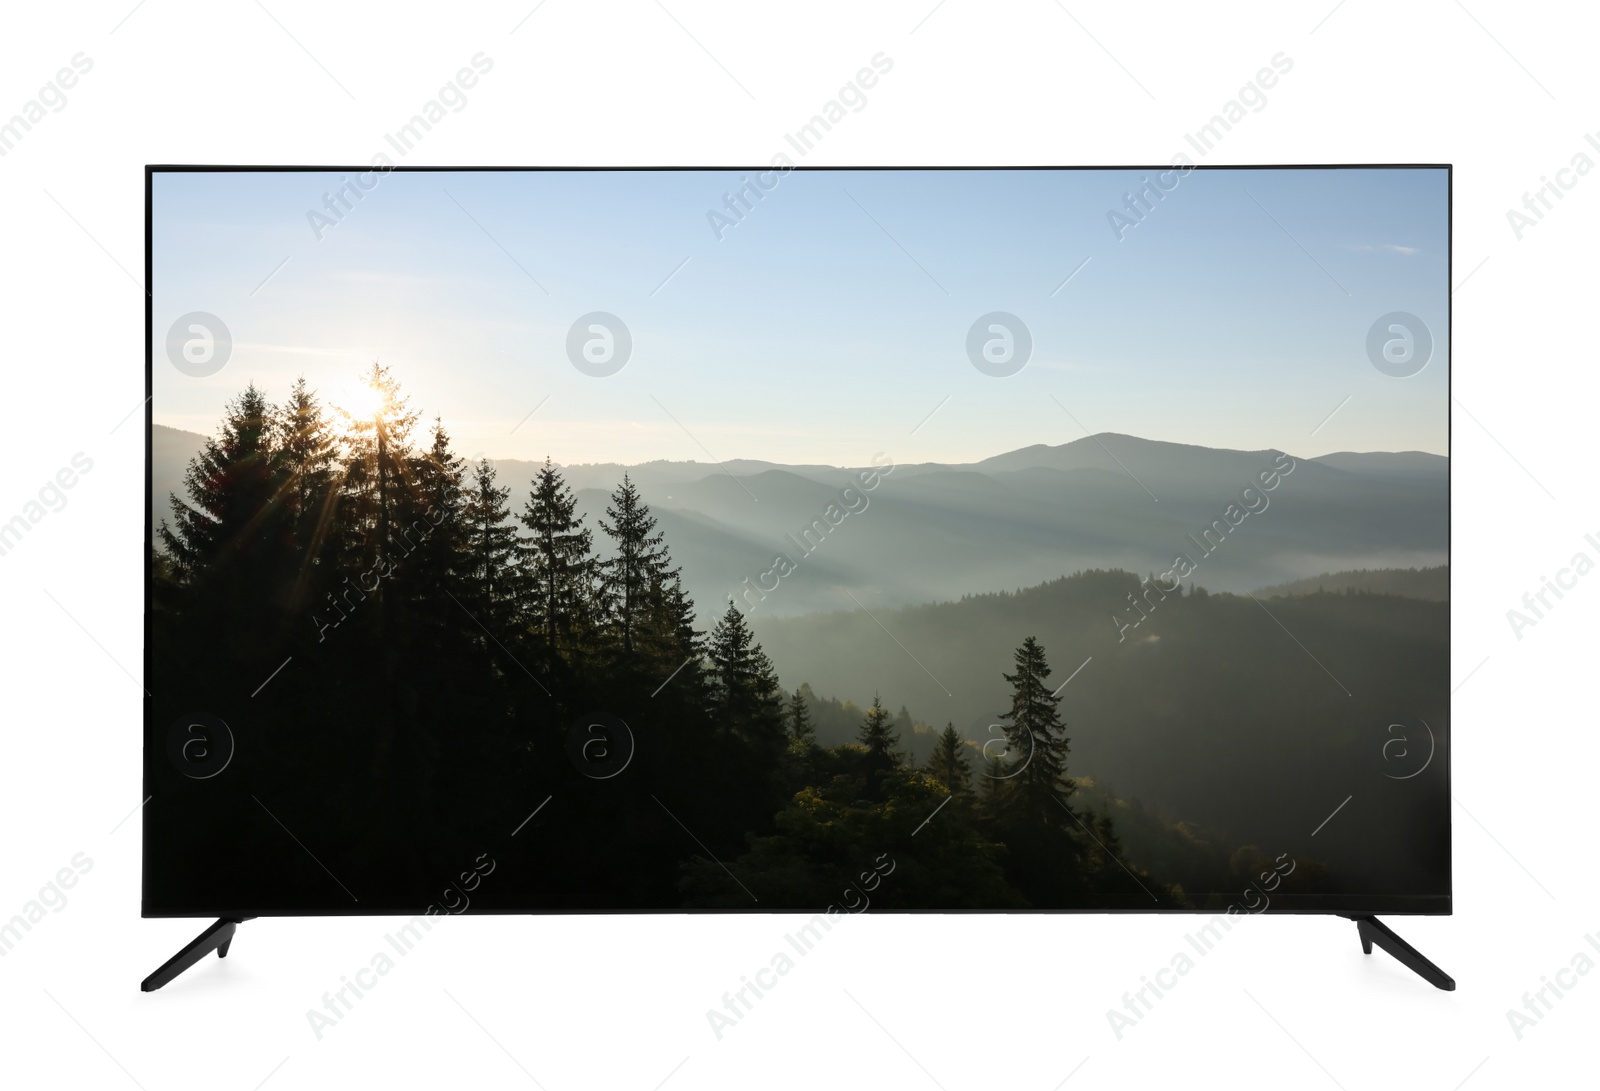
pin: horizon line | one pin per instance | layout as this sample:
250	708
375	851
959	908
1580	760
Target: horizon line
1091	438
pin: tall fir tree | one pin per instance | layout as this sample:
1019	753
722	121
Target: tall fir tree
492	572
637	567
905	729
749	740
802	733
309	450
438	534
881	742
230	546
950	764
744	687
232	486
1036	738
558	567
378	479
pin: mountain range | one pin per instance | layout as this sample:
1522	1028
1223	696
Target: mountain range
932	532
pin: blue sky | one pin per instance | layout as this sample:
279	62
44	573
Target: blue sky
833	319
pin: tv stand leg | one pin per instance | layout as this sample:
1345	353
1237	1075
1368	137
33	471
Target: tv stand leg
217	938
1372	930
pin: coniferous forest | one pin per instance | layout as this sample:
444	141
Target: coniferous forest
417	676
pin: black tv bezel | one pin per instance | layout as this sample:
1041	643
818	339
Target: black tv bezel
1299	904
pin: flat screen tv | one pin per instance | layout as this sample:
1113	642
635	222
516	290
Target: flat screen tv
807	541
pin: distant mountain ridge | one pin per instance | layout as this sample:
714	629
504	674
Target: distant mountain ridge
934	532
1431	584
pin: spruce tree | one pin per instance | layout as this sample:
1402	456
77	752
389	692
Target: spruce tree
308	450
639	563
882	743
745	691
491	569
437	534
804	756
747	713
231	485
1036	737
229	543
950	764
378	474
308	443
802	734
906	731
557	565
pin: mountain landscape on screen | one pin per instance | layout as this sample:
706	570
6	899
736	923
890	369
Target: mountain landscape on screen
917	543
808	660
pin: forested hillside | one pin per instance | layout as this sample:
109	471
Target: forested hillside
417	672
1432	584
1250	718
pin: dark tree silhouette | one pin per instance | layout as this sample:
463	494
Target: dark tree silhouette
232	485
744	687
309	452
378	480
492	572
950	765
559	568
882	745
1036	739
802	736
637	567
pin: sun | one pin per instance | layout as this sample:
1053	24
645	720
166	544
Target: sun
361	401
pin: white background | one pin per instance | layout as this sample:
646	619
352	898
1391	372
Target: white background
953	1002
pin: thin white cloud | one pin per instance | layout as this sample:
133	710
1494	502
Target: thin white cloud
1392	247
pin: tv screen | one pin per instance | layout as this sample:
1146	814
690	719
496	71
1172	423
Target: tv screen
797	540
